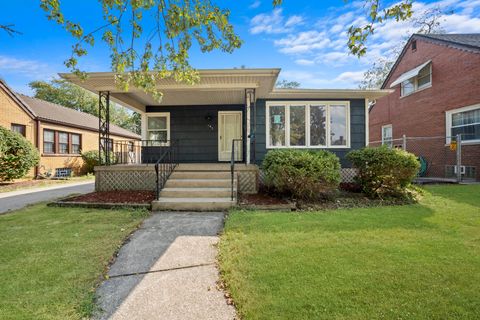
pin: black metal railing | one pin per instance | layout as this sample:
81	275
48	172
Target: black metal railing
236	156
165	165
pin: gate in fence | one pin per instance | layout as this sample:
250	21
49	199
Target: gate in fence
442	159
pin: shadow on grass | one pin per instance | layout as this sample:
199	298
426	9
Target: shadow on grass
391	217
467	194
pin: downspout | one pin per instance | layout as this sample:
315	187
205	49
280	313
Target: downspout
37	145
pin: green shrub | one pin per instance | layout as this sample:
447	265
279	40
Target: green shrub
90	160
302	174
17	155
384	171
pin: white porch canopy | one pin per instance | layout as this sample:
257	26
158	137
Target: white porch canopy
409	74
216	87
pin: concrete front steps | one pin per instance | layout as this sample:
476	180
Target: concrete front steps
197	187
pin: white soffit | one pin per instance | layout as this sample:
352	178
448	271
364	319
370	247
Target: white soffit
223	86
409	74
309	94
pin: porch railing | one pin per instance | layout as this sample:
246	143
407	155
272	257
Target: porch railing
137	151
234	156
165	165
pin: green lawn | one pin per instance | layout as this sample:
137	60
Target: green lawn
51	259
407	262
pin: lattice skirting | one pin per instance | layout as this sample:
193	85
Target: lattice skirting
125	180
248	181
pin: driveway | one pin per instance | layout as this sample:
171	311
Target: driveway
167	271
18	199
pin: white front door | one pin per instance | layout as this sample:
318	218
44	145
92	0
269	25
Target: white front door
229	128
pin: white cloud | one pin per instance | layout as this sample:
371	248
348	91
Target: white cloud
303	42
293	21
305	62
350	76
255	4
23	66
267	23
322	45
274	23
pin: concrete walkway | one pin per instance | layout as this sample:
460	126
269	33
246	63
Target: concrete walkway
167	271
15	200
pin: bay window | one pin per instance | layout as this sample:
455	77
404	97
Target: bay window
308	124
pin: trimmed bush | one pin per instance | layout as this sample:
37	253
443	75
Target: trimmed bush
302	174
17	155
384	171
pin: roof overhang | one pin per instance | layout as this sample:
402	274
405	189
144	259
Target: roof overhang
328	94
225	86
409	74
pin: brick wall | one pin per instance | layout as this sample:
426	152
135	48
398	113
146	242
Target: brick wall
89	141
455	84
11	112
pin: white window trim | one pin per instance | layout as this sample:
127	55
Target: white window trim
383	136
416	88
145	117
448	123
307	105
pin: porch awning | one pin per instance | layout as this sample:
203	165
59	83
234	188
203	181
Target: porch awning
409	74
216	87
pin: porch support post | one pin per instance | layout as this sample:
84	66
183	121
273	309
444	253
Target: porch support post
249	98
104	127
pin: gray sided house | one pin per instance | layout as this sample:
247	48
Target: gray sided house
240	109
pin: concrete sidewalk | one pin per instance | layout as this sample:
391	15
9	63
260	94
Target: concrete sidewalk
167	271
15	200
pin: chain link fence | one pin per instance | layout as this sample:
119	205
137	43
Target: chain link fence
442	159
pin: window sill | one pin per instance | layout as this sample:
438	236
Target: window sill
61	155
418	90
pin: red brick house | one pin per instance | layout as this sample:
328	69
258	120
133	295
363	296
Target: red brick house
436	83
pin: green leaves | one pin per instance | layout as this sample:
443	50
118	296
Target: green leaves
383	170
17	155
358	35
143	53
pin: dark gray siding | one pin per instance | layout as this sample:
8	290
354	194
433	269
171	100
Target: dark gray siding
357	130
188	124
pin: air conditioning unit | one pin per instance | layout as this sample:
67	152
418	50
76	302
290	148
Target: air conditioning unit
462	169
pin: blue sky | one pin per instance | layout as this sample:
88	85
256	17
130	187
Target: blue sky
307	39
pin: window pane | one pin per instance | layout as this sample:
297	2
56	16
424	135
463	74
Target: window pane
408	86
467	117
297	126
157	135
424	71
277	126
424	81
63	137
18	128
75	148
317	125
48	136
48	147
75	139
157	123
338	125
387	136
470	132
